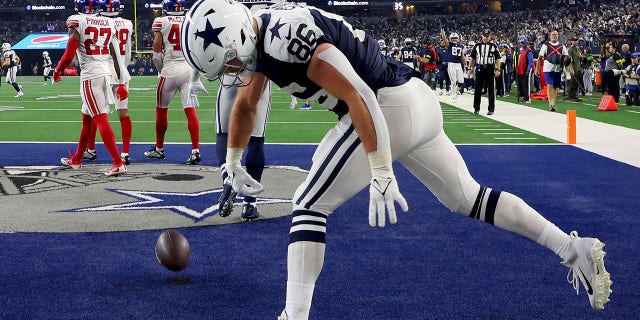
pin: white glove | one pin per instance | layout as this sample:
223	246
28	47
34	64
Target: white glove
194	89
240	180
383	191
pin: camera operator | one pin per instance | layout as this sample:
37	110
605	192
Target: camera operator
612	71
631	77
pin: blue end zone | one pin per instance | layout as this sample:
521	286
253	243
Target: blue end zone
432	265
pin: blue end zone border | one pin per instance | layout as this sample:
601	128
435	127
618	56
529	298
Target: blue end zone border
432	265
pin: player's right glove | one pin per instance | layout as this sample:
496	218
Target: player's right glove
383	191
122	92
56	76
240	180
195	88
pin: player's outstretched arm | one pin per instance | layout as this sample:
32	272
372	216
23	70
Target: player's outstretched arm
330	69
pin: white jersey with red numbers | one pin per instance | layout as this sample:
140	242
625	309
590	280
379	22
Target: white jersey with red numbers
93	52
124	32
173	62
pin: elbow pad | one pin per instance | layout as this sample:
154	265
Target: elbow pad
334	57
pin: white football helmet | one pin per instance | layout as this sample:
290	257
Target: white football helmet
216	32
381	43
6	46
454	37
45	53
407	41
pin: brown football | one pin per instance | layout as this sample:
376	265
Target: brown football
566	61
173	250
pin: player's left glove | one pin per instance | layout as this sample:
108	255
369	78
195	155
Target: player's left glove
383	191
56	76
194	89
122	92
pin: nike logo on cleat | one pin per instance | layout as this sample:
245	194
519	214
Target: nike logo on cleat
589	289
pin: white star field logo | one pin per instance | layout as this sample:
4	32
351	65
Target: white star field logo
197	205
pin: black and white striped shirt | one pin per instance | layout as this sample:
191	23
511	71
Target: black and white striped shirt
485	54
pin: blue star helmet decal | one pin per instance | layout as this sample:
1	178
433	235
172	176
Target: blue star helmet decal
210	35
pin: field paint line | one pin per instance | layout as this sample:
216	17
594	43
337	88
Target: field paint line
492	129
492	133
515	138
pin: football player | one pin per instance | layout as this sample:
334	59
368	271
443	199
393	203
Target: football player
456	62
10	62
124	30
94	39
174	77
46	67
384	50
385	113
406	54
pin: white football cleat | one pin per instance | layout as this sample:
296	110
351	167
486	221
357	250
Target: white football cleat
69	163
116	171
588	266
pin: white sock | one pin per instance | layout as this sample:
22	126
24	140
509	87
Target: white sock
299	297
557	241
193	151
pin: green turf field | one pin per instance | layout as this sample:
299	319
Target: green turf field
52	113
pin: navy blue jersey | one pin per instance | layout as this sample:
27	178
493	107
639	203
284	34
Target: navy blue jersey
407	54
384	51
291	32
454	53
46	61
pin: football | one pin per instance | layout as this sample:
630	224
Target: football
566	61
173	250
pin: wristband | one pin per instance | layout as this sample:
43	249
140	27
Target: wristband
380	161
234	155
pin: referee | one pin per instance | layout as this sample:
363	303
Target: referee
486	57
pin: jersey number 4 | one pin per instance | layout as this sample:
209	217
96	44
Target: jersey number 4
174	37
98	41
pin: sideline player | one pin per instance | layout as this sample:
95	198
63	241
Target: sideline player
174	77
385	112
10	64
456	61
46	67
124	30
93	38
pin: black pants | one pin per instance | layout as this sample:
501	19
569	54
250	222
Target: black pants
633	97
575	83
524	86
612	85
485	78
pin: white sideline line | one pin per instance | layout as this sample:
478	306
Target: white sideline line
492	129
503	133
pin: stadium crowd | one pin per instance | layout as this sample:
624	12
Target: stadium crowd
587	21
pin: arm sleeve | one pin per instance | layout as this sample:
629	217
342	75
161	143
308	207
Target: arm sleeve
68	55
